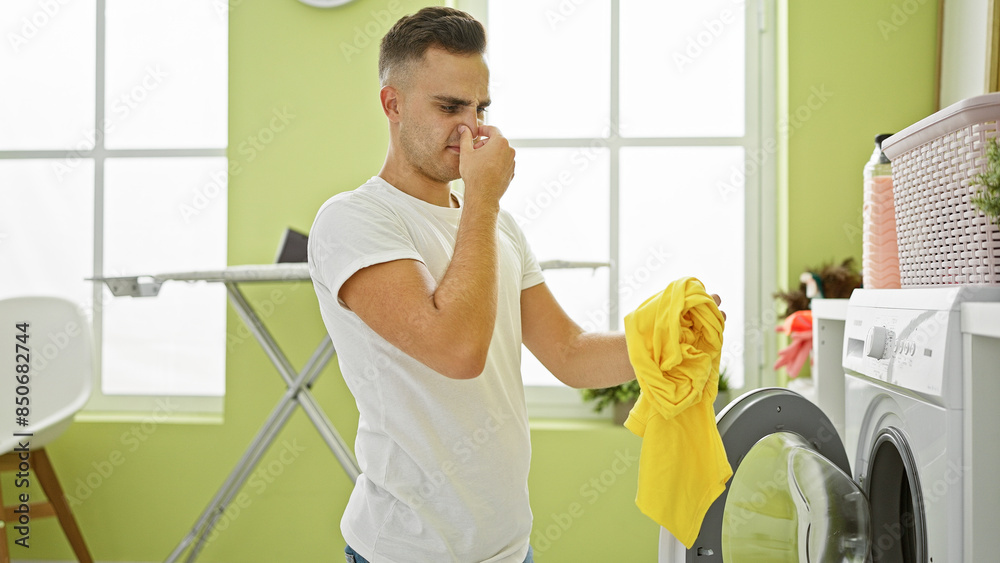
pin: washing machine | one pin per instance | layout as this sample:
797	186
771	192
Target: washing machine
890	489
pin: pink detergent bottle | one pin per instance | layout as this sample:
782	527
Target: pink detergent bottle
879	253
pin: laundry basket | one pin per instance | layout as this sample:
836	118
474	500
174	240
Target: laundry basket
942	238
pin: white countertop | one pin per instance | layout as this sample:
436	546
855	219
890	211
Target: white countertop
829	309
981	319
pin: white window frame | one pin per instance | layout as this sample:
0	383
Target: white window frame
760	143
101	407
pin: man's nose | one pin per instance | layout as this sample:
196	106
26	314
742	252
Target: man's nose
471	120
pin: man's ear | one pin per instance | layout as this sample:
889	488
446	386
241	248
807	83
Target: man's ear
389	96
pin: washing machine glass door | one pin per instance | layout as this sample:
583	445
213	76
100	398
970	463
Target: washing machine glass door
789	503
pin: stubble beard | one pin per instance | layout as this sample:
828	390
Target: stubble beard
423	157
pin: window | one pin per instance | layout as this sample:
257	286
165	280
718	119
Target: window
637	125
113	161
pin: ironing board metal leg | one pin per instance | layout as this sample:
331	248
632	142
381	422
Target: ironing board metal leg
296	394
267	435
325	427
260	333
322	355
279	415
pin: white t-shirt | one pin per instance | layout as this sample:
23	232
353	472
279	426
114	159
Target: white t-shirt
444	462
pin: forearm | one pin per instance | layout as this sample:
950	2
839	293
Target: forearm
594	360
466	298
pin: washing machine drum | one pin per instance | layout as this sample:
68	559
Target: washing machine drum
791	498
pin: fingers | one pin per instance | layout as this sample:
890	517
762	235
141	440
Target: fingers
489	131
478	141
718	302
465	144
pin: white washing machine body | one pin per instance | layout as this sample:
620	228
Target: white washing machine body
921	435
904	390
902	445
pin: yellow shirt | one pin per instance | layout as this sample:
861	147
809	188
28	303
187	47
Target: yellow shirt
674	344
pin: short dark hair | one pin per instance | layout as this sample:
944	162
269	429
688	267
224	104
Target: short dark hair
435	26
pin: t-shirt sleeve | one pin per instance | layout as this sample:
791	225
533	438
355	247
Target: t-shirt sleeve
531	271
349	234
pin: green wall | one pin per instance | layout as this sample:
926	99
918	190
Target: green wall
317	69
848	71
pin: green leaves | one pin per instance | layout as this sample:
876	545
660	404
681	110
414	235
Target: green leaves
723	380
611	395
988	198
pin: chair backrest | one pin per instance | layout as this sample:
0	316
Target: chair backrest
53	335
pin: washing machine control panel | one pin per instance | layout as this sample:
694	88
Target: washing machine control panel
879	342
905	347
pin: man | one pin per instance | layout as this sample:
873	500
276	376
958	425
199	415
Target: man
428	296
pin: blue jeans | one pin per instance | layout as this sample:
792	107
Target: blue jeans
353	557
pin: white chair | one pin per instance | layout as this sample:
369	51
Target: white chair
59	348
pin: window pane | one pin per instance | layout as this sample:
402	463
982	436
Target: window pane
46	229
550	68
166	77
49	56
682	214
560	199
583	294
682	68
165	215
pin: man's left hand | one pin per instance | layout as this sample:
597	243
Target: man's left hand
718	303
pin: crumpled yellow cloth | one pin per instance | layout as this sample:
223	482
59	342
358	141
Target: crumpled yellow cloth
674	344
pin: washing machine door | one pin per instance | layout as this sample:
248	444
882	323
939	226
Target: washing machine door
791	498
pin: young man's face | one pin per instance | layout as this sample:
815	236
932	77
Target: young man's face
443	92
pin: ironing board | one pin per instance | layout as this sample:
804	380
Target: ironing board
298	383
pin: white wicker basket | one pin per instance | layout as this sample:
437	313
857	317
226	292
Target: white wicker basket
942	238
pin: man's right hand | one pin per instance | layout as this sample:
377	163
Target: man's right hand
446	324
487	166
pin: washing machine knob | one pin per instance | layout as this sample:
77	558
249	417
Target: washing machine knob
878	342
